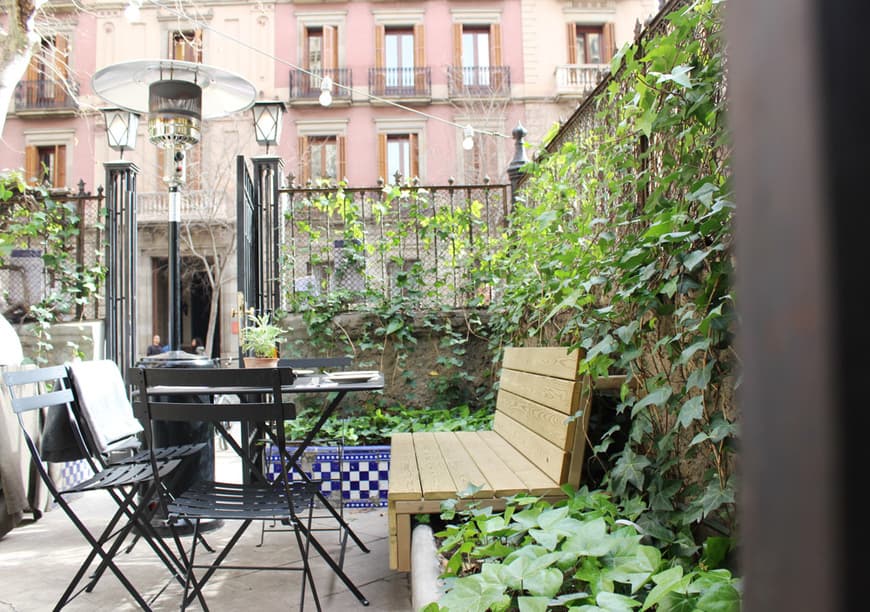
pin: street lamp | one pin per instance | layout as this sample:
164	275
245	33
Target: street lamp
121	126
267	122
177	96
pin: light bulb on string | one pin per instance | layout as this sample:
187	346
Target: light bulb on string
468	138
326	91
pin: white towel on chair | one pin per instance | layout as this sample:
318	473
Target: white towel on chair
102	397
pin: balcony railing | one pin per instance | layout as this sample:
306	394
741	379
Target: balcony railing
44	95
196	206
401	82
478	81
306	87
579	79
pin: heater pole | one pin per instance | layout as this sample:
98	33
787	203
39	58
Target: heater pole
174	270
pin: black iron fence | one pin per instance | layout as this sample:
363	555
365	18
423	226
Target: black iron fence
307	86
61	261
45	94
413	82
424	243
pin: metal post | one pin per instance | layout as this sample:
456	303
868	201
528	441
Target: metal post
174	269
519	160
121	262
267	170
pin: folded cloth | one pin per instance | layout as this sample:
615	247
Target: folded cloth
59	442
102	398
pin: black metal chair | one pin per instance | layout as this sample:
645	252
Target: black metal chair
48	390
160	393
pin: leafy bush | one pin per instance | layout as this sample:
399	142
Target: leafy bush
577	555
375	426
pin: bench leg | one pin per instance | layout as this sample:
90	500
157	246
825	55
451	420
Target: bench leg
403	542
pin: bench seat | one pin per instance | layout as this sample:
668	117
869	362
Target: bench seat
536	444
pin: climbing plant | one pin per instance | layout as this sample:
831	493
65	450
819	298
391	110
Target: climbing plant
621	245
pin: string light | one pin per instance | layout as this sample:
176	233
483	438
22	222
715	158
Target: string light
326	91
468	138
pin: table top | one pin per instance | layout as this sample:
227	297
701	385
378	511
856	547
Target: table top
302	384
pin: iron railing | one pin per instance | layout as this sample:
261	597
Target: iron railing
579	79
478	81
45	95
401	82
306	86
424	243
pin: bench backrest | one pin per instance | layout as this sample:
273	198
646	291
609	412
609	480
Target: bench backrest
539	389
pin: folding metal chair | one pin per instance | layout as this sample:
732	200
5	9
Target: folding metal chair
162	393
48	389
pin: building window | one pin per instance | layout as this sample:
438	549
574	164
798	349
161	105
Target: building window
398	153
186	45
322	157
399	57
47	75
590	44
46	165
475	56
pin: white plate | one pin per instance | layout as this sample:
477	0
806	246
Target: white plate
349	377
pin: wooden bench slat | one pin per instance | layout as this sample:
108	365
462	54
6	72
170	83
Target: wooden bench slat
546	422
550	361
536	481
551	392
502	479
404	481
435	479
548	457
462	465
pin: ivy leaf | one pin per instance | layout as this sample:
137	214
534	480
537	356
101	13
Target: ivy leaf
700	378
689	351
656	398
544	582
667	581
471	593
694	258
606	346
532	604
394	326
679	75
691	410
590	540
614	602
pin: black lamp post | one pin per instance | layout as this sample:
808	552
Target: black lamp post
267	122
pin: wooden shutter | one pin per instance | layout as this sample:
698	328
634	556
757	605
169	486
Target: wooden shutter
419	59
58	174
607	42
304	163
496	76
572	43
32	170
341	142
379	83
382	158
414	155
329	53
61	56
197	47
457	56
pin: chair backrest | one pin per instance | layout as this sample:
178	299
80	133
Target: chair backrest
56	438
539	390
103	405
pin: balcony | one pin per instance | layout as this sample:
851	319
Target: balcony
409	84
579	79
305	87
196	206
45	97
478	81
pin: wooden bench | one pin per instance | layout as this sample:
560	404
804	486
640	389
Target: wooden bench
532	447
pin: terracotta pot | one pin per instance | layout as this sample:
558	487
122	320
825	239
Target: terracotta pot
261	362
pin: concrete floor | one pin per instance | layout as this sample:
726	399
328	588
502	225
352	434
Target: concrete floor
37	560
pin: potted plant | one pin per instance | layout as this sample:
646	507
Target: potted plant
260	338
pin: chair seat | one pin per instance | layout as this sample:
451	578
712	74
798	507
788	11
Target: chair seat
220	500
165	452
122	475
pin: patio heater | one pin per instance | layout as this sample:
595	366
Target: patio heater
176	96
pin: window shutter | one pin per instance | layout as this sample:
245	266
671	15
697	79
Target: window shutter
330	48
341	141
419	59
457	56
59	171
304	164
414	154
61	56
607	42
382	158
31	165
572	43
379	82
197	47
495	58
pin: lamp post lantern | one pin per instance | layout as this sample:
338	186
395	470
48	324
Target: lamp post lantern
176	96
